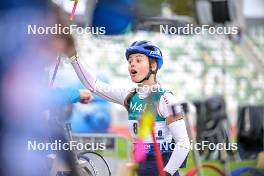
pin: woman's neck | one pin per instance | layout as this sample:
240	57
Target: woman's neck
150	82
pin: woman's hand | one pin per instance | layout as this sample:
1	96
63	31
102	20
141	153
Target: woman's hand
66	39
70	49
128	169
85	96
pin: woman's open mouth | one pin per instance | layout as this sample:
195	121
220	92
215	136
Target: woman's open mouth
133	72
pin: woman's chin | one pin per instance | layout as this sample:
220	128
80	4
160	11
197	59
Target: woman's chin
135	80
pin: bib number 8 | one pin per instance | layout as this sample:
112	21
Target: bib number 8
135	128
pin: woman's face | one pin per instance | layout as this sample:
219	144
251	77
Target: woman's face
138	66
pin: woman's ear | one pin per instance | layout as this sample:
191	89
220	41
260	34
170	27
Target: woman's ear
154	65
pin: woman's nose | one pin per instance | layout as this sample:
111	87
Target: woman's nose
132	64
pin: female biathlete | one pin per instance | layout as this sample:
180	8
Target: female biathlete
144	60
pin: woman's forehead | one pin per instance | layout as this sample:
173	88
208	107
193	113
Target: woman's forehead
136	55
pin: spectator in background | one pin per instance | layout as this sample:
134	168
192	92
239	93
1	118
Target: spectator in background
24	87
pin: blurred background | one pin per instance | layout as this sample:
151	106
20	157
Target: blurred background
221	76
